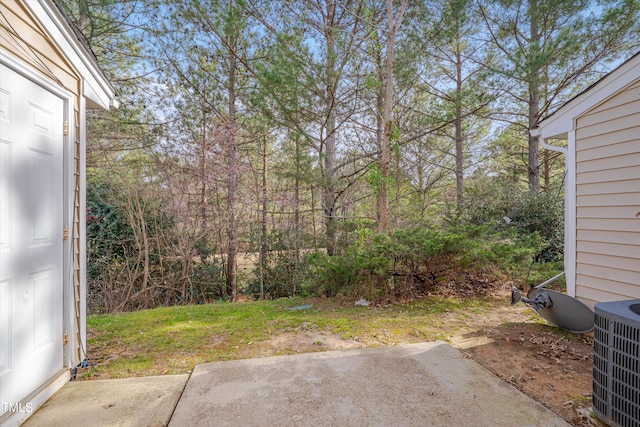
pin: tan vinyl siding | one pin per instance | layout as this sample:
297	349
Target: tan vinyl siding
613	249
618	107
611	200
630	94
606	212
609	236
593	142
608	175
606	290
608	200
624	144
626	225
603	260
617	162
591	296
599	188
23	37
609	126
612	274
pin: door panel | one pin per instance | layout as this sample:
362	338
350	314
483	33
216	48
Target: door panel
31	233
41	198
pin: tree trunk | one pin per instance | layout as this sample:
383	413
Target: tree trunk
82	23
203	176
458	136
232	183
329	205
263	232
534	143
393	21
534	102
547	170
296	208
379	138
312	190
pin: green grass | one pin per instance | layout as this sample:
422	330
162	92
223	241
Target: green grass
171	340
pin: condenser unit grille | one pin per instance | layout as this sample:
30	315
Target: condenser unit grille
616	363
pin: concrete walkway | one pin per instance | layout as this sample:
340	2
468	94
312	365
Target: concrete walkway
428	384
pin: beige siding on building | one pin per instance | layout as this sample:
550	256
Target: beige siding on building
603	260
611	200
593	142
25	39
609	126
626	225
606	212
601	288
613	249
611	274
617	162
608	199
619	147
609	173
608	236
614	109
599	188
591	296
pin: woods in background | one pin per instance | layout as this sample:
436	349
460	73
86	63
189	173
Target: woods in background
323	136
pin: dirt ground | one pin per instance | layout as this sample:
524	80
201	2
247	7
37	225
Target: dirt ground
553	369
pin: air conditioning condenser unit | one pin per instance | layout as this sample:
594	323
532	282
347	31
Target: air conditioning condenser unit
616	363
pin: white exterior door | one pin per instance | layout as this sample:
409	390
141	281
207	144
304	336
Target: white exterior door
31	236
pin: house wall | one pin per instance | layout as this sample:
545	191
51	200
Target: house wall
23	38
607	204
21	35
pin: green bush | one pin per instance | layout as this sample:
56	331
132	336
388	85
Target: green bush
543	214
503	205
422	260
379	263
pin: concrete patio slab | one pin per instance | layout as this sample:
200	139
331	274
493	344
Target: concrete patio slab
145	401
428	384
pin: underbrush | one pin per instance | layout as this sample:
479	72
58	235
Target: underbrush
421	261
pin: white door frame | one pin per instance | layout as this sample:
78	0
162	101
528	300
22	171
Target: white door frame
37	397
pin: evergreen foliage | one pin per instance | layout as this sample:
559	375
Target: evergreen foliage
293	129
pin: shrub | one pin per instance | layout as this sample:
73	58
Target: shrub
543	214
418	261
406	261
283	276
136	255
